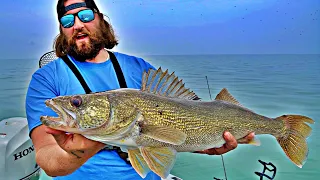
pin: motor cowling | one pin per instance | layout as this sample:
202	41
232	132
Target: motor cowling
17	153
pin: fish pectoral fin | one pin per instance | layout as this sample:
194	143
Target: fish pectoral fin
255	141
224	95
138	163
159	159
164	134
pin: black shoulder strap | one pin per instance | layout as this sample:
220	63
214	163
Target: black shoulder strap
77	74
117	68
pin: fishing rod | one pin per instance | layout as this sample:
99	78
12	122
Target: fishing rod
224	168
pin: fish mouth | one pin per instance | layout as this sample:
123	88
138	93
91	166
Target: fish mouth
65	117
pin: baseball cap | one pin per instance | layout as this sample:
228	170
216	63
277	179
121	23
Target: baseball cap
61	9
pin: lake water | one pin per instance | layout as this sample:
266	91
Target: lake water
271	85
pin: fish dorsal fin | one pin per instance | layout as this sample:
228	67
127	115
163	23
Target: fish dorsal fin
165	84
224	95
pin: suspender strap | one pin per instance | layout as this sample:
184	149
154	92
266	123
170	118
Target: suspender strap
77	74
117	68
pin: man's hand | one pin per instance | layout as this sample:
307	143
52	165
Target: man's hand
75	144
231	143
60	154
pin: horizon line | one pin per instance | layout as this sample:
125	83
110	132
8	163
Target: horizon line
138	54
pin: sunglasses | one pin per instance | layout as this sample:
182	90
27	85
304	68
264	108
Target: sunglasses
85	16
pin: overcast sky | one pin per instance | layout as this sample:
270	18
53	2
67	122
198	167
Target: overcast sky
146	27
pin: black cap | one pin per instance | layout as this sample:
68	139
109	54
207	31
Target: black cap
61	9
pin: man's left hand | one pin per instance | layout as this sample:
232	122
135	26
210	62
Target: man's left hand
231	143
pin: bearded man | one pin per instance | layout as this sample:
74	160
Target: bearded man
85	65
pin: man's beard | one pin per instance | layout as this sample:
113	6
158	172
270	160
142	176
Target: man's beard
85	50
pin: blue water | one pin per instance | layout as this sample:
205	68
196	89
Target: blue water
271	85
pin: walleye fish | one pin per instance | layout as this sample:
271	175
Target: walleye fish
164	117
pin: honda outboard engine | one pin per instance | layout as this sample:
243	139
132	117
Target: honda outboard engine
17	156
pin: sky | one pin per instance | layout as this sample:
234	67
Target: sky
149	27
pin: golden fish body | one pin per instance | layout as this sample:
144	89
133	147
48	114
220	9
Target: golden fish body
203	123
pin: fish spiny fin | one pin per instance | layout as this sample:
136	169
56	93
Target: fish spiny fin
293	140
154	79
224	95
164	134
144	80
165	84
147	79
160	82
159	159
138	163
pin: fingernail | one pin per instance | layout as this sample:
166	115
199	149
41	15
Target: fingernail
227	135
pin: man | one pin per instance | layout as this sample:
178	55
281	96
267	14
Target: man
84	37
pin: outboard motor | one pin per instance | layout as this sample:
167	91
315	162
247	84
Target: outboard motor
17	156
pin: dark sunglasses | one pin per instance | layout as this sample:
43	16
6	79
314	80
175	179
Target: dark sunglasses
85	16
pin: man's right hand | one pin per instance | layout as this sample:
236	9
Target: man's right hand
75	144
60	154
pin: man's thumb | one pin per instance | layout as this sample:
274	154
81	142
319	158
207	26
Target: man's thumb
60	136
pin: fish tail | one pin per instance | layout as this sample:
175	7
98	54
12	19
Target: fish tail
293	139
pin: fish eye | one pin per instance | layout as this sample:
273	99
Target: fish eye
76	101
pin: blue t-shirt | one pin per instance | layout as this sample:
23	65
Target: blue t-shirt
56	79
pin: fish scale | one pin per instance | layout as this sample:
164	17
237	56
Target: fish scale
208	119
